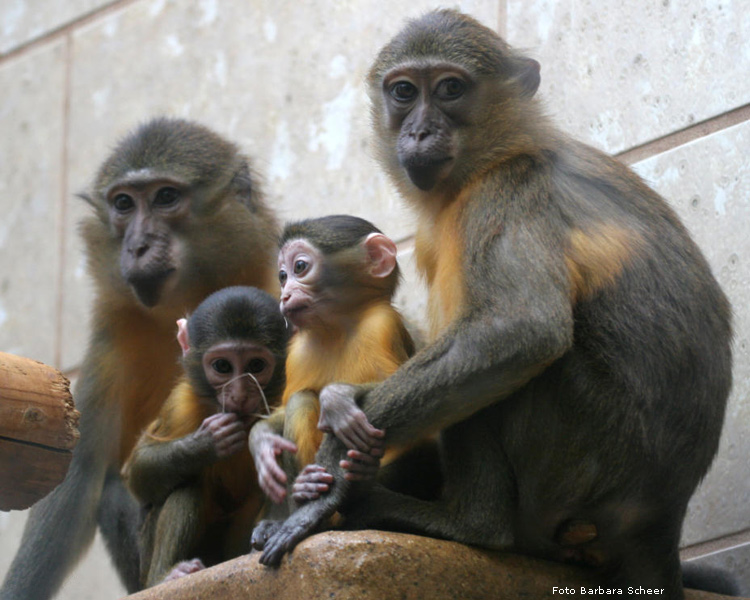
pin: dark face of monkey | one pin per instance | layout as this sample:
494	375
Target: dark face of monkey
234	347
159	196
435	112
331	266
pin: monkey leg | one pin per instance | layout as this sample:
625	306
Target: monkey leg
119	516
179	529
301	426
647	558
476	503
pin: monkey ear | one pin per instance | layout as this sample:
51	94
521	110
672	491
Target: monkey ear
381	252
528	76
182	336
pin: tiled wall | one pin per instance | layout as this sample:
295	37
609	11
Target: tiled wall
663	83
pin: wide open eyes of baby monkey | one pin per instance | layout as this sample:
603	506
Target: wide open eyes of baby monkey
338	275
191	468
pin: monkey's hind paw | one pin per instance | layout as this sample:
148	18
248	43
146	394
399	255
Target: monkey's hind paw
263	532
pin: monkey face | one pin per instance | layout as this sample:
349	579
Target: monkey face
300	274
426	107
145	212
238	371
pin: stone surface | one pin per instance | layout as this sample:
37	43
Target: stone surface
30	194
708	183
618	74
23	20
736	560
372	565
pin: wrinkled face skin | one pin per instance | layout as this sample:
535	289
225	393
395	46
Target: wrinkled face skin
227	365
145	213
427	105
300	275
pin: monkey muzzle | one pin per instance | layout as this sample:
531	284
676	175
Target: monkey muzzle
148	285
426	173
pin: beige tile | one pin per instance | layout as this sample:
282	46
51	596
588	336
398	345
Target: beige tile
618	74
31	111
24	20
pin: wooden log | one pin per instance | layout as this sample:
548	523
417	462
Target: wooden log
38	430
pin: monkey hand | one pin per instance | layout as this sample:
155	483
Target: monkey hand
224	432
313	481
266	447
363	466
340	415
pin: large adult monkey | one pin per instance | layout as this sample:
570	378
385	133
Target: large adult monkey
580	362
177	215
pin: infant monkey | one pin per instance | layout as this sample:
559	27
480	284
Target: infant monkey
191	468
338	275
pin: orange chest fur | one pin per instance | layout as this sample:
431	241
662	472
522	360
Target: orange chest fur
439	250
139	374
371	353
230	482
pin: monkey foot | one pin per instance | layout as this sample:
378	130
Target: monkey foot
302	524
262	532
186	567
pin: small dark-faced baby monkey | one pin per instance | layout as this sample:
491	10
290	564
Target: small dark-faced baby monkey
338	275
580	359
191	468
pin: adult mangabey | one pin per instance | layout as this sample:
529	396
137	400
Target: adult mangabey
338	275
191	468
177	214
580	362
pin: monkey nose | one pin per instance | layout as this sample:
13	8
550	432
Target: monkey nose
140	250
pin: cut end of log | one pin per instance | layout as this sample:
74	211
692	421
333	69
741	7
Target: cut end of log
38	430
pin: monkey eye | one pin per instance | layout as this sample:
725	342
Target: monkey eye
123	203
256	365
403	91
282	277
166	197
300	266
451	88
222	365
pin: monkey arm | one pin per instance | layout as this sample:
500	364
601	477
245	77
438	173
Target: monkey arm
157	468
266	444
517	319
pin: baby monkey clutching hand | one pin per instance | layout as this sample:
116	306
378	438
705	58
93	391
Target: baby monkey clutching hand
191	468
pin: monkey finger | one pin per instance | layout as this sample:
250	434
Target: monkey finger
366	437
281	444
363	457
271	488
313	474
356	471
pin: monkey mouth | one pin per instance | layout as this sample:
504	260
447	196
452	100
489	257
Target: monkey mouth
426	173
296	312
148	287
